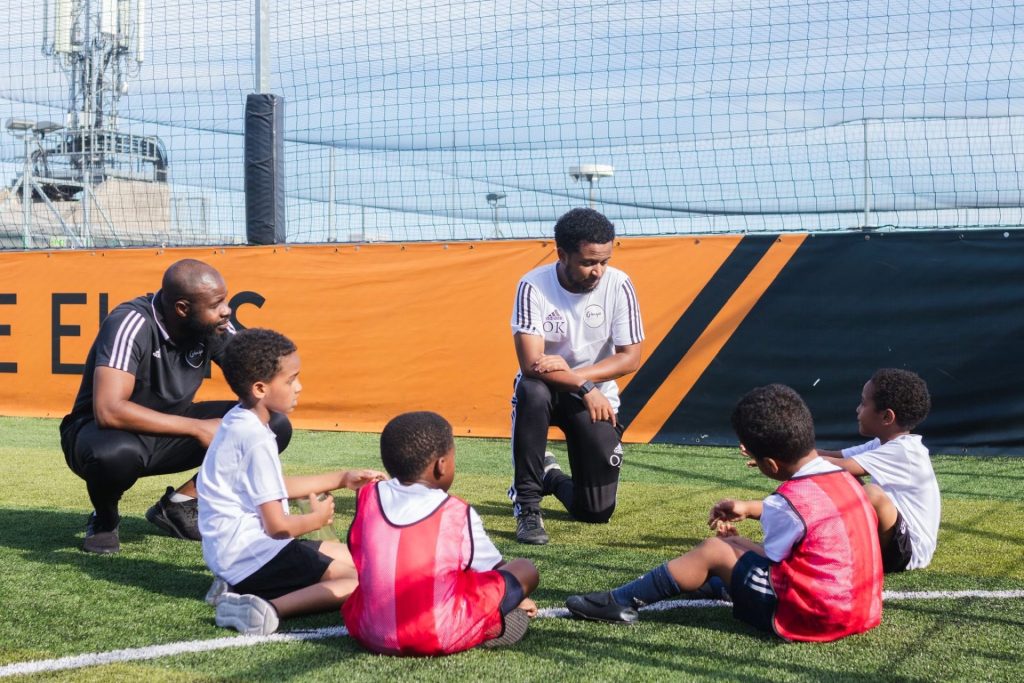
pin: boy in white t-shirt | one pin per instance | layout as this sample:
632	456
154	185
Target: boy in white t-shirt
904	491
250	541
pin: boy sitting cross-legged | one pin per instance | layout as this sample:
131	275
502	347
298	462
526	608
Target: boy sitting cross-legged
430	581
904	491
818	575
250	541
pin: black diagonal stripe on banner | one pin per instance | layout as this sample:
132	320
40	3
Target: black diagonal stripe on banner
692	323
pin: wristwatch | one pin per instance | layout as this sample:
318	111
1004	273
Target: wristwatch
585	388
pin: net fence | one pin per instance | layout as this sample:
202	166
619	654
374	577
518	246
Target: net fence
442	120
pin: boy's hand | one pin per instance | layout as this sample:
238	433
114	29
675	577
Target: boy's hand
552	363
322	508
530	607
357	479
727	511
724	529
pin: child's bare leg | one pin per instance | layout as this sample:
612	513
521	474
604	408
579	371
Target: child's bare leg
712	557
525	571
336	584
886	511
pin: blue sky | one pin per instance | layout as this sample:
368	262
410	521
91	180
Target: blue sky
717	116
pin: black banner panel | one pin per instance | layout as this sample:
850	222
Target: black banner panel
947	305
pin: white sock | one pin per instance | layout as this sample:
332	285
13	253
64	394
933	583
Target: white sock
179	497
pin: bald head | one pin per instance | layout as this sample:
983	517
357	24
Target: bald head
185	278
194	300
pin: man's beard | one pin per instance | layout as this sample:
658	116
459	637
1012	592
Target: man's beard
196	332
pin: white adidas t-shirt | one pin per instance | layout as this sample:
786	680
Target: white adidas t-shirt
405	504
581	328
241	471
903	469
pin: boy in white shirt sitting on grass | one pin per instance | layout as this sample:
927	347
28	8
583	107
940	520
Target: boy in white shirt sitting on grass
904	491
250	541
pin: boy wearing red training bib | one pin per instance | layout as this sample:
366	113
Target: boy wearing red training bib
818	574
430	580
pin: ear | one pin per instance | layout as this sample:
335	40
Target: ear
182	307
771	465
562	255
440	468
259	390
888	417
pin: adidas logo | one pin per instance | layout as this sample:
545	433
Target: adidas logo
156	354
554	315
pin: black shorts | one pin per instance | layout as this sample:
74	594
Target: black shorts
896	555
753	598
298	565
514	593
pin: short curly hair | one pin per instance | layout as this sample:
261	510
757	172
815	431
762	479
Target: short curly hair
904	393
582	225
412	441
774	422
254	355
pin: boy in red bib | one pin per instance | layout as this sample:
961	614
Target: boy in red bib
430	580
818	574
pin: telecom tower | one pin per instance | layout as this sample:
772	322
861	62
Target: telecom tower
100	44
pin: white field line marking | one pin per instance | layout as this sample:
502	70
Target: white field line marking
171	649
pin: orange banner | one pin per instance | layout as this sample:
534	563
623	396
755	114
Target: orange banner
381	328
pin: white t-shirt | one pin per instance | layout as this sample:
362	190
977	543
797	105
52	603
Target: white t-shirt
405	504
782	525
903	468
241	471
581	328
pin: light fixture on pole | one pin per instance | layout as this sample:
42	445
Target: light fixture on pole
495	199
591	173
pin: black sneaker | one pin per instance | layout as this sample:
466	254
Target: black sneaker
601	607
100	542
180	520
530	528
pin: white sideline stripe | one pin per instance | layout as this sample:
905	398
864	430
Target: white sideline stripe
171	649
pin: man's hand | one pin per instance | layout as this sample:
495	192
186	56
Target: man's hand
205	429
322	509
357	479
547	363
598	406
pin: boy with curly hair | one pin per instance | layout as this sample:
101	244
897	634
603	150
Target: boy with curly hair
818	574
430	580
250	541
904	491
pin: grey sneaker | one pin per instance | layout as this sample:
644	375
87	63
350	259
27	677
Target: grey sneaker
248	614
515	624
530	528
180	520
217	589
100	542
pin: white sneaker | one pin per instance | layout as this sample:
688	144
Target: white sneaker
550	463
248	614
218	588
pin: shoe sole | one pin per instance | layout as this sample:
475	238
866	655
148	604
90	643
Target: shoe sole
155	515
543	540
516	624
233	611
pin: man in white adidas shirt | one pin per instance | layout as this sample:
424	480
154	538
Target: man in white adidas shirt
134	416
577	328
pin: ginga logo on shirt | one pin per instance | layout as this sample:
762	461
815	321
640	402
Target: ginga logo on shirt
554	324
593	316
195	356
